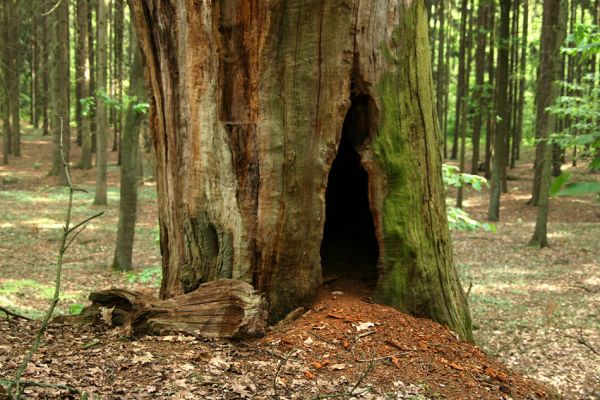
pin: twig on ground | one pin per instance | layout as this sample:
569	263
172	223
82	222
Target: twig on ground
584	342
279	368
14	314
587	289
360	380
469	289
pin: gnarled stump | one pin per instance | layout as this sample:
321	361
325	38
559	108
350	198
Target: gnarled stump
225	308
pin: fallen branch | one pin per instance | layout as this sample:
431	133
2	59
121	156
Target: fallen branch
360	380
279	368
587	289
583	341
224	308
14	314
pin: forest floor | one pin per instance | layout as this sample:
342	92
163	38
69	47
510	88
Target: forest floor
532	309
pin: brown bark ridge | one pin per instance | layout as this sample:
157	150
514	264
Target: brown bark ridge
225	308
247	108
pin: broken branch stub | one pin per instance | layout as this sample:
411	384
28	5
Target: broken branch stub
224	308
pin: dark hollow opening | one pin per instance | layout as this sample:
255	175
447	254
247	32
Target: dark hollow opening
349	248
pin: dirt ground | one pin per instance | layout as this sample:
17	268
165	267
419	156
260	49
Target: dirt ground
531	308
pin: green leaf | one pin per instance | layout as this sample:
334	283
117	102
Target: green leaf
76	309
580	189
559	182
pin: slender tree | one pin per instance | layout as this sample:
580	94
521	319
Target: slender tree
129	166
479	97
491	109
465	106
60	89
441	68
501	111
516	148
83	12
461	88
553	34
101	120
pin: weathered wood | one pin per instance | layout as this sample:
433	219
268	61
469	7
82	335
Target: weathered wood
248	107
225	308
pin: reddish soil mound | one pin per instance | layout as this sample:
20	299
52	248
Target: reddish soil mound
345	328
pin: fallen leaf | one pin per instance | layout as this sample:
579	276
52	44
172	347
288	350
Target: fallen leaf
361	326
309	375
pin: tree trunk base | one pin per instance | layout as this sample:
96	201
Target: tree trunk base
225	308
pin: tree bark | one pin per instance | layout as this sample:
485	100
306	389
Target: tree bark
516	149
60	88
441	68
249	100
45	72
465	105
491	109
129	167
118	22
80	61
553	35
501	130
478	93
101	119
83	15
462	84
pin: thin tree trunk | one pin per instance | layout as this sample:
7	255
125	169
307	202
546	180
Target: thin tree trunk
80	58
45	71
478	95
60	91
461	86
465	106
516	149
92	11
129	169
34	68
553	34
118	73
12	69
441	69
85	160
101	120
501	111
491	109
6	134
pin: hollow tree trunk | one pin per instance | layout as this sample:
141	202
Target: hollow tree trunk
249	100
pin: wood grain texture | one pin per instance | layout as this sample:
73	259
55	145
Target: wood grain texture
248	103
225	308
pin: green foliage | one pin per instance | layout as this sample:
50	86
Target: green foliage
581	106
89	103
459	219
150	275
76	308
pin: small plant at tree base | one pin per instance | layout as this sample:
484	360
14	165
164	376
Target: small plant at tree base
459	219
